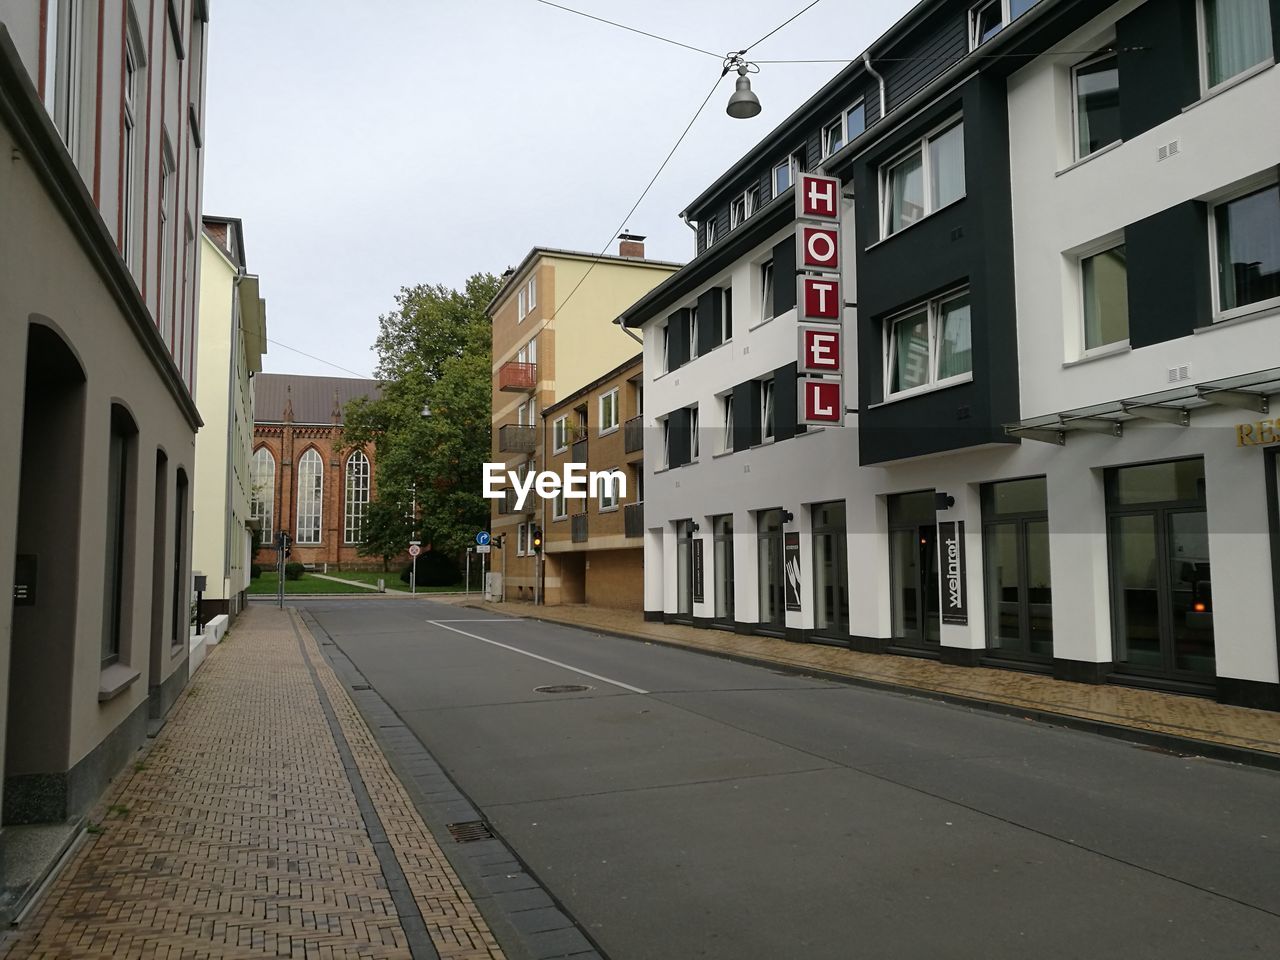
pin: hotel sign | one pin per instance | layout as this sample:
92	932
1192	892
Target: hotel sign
819	302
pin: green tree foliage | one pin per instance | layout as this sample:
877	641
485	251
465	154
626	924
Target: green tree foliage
433	352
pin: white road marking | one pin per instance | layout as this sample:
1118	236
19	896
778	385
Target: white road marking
444	625
481	620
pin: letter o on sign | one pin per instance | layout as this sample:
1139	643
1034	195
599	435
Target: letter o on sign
820	248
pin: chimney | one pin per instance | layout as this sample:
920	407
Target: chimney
631	245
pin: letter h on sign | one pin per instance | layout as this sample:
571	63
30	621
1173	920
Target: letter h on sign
817	198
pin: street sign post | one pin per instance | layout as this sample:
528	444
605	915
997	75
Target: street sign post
415	548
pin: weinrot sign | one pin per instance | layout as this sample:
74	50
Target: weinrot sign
821	401
820	349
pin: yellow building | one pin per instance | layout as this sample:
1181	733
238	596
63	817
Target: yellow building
553	336
232	340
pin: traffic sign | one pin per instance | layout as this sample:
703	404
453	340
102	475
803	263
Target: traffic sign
482	538
414	549
483	548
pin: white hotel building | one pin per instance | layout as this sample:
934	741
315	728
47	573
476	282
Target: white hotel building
1061	259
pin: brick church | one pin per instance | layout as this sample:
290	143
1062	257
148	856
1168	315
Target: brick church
304	481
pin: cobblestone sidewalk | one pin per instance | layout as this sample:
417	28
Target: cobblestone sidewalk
250	829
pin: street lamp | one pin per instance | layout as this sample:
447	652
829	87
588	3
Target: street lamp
743	104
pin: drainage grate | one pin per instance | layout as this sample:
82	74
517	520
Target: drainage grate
470	830
562	688
361	686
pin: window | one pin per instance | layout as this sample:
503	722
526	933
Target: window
737	211
785	173
766	290
843	129
64	62
181	598
665	359
168	239
693	433
928	346
560	506
357	501
989	18
522	414
1247	252
750	200
665	425
1235	35
693	333
766	409
607	492
532	292
609	411
726	315
129	151
522	303
529	352
923	180
119	534
1096	84
262	494
310	497
560	434
522	539
726	435
1104	283
709	232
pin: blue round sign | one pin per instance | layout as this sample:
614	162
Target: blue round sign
482	538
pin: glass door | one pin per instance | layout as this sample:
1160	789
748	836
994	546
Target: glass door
722	539
1016	556
830	570
1162	595
684	569
769	556
913	570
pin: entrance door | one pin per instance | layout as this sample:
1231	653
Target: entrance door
769	556
684	569
913	570
830	571
1162	598
1015	539
722	532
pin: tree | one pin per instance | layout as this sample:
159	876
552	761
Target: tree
433	353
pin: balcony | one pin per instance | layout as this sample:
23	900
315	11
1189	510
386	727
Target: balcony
633	435
578	528
633	519
507	505
517	377
517	438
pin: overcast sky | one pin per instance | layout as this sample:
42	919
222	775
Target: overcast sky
378	144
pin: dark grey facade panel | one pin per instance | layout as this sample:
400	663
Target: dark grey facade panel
746	417
678	439
784	402
709	320
678	339
1168	271
942	41
1158	64
784	276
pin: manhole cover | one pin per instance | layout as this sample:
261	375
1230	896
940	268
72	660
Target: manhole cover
470	830
562	688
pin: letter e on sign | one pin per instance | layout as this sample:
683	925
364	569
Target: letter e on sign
817	197
820	350
822	402
819	248
820	299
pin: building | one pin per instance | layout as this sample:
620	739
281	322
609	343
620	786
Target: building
101	107
1060	249
552	337
305	481
232	340
592	548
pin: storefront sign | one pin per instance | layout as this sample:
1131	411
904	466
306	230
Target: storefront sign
819	298
817	198
955	607
1260	433
791	566
820	349
821	402
697	571
819	247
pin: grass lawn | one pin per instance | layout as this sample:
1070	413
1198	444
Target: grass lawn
266	584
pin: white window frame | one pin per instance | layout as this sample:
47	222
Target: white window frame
1202	54
726	313
664	428
709	231
1075	105
607	498
129	146
842	122
522	539
306	508
168	241
356	489
64	70
560	506
1252	185
750	200
737	211
793	169
532	287
522	305
1109	242
768	411
605	426
920	146
262	493
560	434
726	411
974	41
694	445
933	307
693	332
767	280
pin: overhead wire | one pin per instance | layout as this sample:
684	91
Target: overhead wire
311	356
780	26
623	26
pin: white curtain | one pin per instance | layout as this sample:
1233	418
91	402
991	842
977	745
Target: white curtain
1238	35
906	193
946	166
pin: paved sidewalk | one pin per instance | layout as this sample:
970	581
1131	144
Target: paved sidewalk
1108	706
251	828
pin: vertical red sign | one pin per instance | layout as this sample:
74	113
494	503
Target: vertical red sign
820	350
819	248
822	401
817	198
820	299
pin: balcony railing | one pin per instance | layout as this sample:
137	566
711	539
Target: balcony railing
507	505
578	528
633	435
517	438
580	450
517	377
633	519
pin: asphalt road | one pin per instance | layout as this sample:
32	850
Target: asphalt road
690	807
